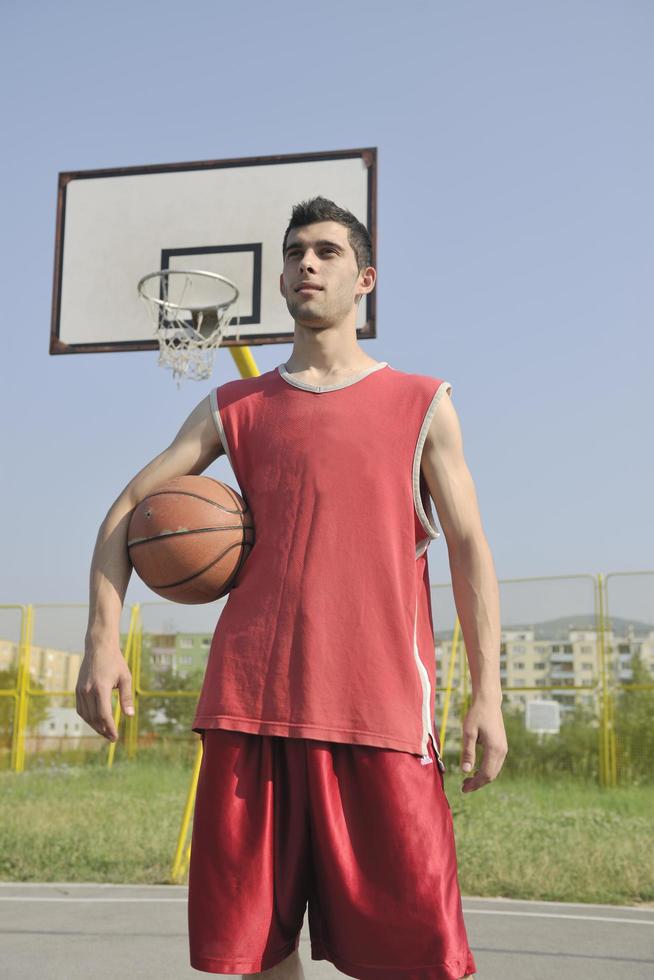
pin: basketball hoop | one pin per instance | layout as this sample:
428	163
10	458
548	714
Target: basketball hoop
189	333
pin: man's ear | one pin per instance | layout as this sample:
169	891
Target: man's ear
369	278
281	284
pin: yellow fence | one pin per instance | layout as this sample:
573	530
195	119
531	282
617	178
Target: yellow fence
615	626
453	677
602	619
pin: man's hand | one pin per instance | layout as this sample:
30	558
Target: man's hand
103	668
483	723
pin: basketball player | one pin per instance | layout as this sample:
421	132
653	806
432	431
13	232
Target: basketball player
322	777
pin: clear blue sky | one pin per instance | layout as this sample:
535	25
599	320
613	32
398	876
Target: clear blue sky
515	245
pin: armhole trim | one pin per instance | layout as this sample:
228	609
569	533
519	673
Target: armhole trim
215	415
426	516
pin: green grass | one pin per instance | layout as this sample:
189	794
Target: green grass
518	838
562	840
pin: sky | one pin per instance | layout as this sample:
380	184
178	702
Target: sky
515	248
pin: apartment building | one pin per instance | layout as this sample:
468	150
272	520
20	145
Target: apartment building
568	658
540	656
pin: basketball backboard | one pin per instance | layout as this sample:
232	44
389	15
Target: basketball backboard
224	216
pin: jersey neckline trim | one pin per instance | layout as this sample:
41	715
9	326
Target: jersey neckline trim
320	388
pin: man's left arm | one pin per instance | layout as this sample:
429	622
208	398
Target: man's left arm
475	588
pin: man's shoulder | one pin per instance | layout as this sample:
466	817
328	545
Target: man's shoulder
243	386
417	381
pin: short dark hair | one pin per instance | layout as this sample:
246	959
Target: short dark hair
322	209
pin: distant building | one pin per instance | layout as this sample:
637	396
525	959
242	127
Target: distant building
569	657
62	723
54	669
535	656
180	653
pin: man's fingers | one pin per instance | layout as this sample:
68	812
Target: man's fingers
469	743
95	708
103	669
104	722
492	763
125	693
475	782
489	770
481	778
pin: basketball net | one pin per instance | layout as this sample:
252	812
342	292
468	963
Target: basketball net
188	333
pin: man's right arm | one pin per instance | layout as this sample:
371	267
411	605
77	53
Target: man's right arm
196	445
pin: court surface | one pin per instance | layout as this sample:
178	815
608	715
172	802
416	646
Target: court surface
61	931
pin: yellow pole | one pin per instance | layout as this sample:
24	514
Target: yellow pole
464	676
180	863
613	753
448	684
131	725
118	710
22	690
604	736
613	771
247	368
132	748
245	362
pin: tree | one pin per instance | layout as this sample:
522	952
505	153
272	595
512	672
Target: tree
634	733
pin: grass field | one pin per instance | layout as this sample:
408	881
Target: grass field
518	838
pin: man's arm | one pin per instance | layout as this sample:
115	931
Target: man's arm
475	588
103	668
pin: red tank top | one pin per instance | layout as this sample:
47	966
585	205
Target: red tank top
327	632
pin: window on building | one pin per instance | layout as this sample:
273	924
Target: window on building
519	665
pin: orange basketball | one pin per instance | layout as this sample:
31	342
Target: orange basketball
189	538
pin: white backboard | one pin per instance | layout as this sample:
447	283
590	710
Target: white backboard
225	216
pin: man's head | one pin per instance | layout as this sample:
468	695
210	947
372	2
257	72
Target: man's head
327	246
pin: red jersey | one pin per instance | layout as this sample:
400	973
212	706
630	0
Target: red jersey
327	632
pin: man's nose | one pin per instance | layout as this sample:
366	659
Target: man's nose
307	262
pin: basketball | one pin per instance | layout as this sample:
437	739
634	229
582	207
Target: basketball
188	539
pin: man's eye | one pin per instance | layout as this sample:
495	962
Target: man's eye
293	255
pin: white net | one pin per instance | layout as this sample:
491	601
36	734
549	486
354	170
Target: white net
189	322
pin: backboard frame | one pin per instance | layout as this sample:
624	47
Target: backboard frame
368	156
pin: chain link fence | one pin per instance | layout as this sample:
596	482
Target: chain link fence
576	667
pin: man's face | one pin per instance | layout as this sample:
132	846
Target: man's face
320	254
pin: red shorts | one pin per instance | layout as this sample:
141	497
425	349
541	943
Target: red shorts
363	834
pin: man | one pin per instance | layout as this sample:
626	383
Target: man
321	775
